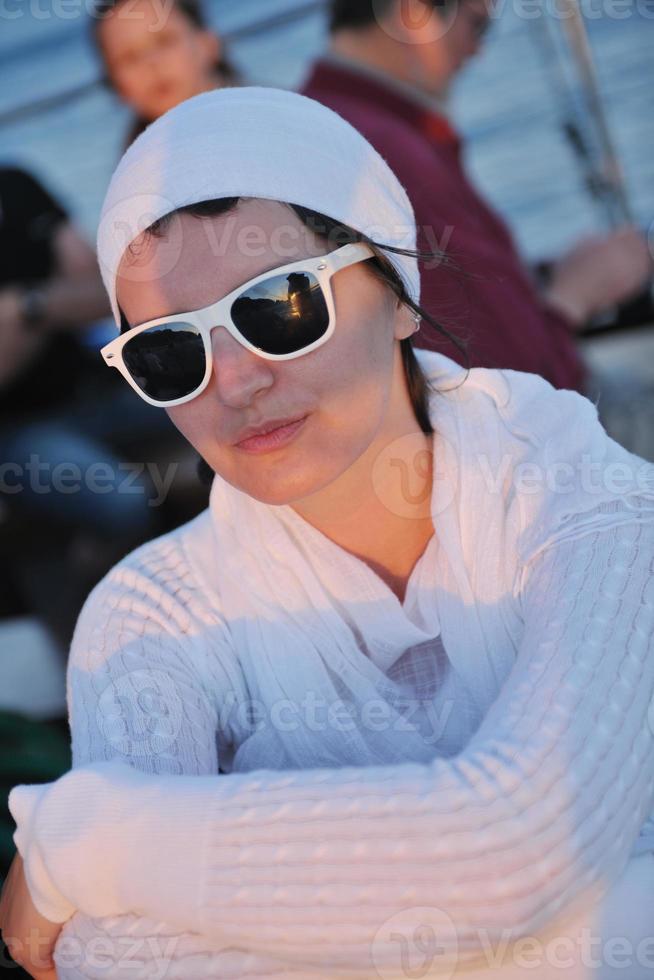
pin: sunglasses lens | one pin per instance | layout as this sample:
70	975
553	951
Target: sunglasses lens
282	314
166	362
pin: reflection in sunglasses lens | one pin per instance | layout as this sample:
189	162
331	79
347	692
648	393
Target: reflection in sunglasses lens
166	362
282	314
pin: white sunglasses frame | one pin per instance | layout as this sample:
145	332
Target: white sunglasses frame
218	314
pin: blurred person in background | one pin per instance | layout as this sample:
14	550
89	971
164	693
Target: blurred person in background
59	414
156	55
58	537
388	70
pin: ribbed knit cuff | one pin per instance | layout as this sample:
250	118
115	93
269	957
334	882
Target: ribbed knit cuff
23	803
108	839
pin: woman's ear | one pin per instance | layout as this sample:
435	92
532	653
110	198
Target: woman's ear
406	322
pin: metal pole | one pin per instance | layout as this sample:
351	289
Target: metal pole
572	122
577	34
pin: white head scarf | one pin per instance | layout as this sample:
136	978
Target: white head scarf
255	142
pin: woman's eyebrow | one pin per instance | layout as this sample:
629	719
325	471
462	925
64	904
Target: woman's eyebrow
125	324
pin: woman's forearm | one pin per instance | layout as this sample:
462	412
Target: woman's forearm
537	816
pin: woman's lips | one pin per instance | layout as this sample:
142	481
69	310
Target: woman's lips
272	440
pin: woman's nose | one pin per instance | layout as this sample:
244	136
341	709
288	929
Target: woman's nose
238	373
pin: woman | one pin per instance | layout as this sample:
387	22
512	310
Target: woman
413	630
157	54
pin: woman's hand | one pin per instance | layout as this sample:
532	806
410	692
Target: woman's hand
29	937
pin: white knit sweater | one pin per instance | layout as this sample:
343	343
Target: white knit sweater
476	762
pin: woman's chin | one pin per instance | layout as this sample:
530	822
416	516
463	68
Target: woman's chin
283	486
279	494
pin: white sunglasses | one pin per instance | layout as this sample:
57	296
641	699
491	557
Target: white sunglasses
280	314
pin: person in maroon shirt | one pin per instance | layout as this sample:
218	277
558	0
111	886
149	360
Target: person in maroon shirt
387	71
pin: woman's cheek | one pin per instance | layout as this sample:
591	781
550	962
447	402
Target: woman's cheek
198	427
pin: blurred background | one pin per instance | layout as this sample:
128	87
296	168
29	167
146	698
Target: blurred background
514	104
57	119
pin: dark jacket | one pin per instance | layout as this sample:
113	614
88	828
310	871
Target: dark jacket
495	303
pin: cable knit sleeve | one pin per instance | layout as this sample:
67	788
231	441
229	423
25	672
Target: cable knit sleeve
535	818
139	689
136	676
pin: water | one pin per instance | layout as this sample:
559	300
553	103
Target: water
506	104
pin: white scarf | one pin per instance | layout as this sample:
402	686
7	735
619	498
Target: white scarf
497	429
